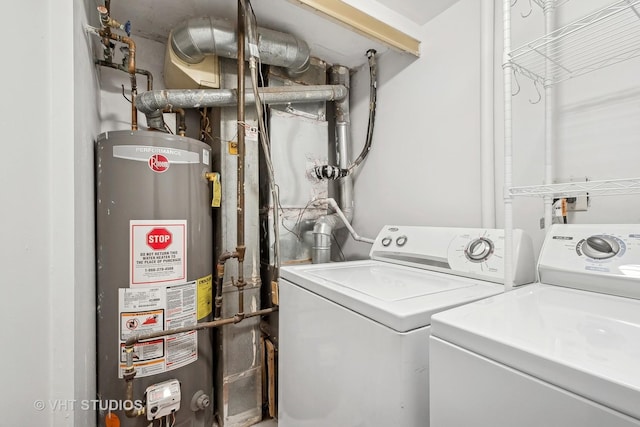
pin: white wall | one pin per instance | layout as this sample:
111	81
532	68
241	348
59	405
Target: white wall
47	251
424	165
596	129
26	235
86	125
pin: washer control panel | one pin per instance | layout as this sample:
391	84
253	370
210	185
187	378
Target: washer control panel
470	252
604	258
479	249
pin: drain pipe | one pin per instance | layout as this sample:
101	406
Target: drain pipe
240	240
192	40
325	225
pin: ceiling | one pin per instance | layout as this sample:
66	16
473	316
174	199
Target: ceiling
418	11
153	19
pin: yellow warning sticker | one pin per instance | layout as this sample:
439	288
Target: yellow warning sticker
217	192
233	148
205	296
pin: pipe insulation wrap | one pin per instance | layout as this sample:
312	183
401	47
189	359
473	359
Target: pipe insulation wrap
149	102
194	39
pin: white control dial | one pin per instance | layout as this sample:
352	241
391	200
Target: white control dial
600	247
479	249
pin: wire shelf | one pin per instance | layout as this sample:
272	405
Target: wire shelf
554	3
604	38
606	188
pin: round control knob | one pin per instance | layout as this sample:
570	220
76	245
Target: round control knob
600	247
400	241
479	249
386	241
200	401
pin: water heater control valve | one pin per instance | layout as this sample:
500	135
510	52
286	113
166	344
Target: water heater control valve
162	399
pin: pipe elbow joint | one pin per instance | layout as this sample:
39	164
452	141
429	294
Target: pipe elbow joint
188	36
323	226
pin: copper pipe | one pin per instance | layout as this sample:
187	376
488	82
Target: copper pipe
219	278
200	326
240	300
240	241
106	33
120	67
182	125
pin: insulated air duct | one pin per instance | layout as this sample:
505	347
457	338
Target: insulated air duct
192	40
153	102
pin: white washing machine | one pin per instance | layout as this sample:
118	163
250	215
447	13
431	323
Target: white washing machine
353	336
561	353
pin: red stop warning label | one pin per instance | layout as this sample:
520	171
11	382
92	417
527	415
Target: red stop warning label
159	238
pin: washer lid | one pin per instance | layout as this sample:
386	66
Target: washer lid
402	298
584	342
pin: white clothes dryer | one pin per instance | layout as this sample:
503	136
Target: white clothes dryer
353	336
561	353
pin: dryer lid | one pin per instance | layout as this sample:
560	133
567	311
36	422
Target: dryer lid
584	342
400	297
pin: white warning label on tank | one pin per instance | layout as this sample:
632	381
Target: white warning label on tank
142	153
144	311
158	252
205	156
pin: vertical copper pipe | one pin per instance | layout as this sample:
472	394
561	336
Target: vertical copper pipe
106	33
241	152
132	73
182	124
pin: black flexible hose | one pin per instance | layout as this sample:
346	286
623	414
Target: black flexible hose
373	93
335	172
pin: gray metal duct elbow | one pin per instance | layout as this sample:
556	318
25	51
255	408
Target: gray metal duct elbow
322	231
194	39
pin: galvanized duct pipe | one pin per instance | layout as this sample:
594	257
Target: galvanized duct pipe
194	39
323	229
152	103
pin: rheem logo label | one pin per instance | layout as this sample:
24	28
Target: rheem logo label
158	163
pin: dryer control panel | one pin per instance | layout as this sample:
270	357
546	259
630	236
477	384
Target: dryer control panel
470	252
602	258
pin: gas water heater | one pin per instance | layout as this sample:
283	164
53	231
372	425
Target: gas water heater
154	273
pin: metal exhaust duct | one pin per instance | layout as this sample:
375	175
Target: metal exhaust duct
325	225
148	102
153	102
194	39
